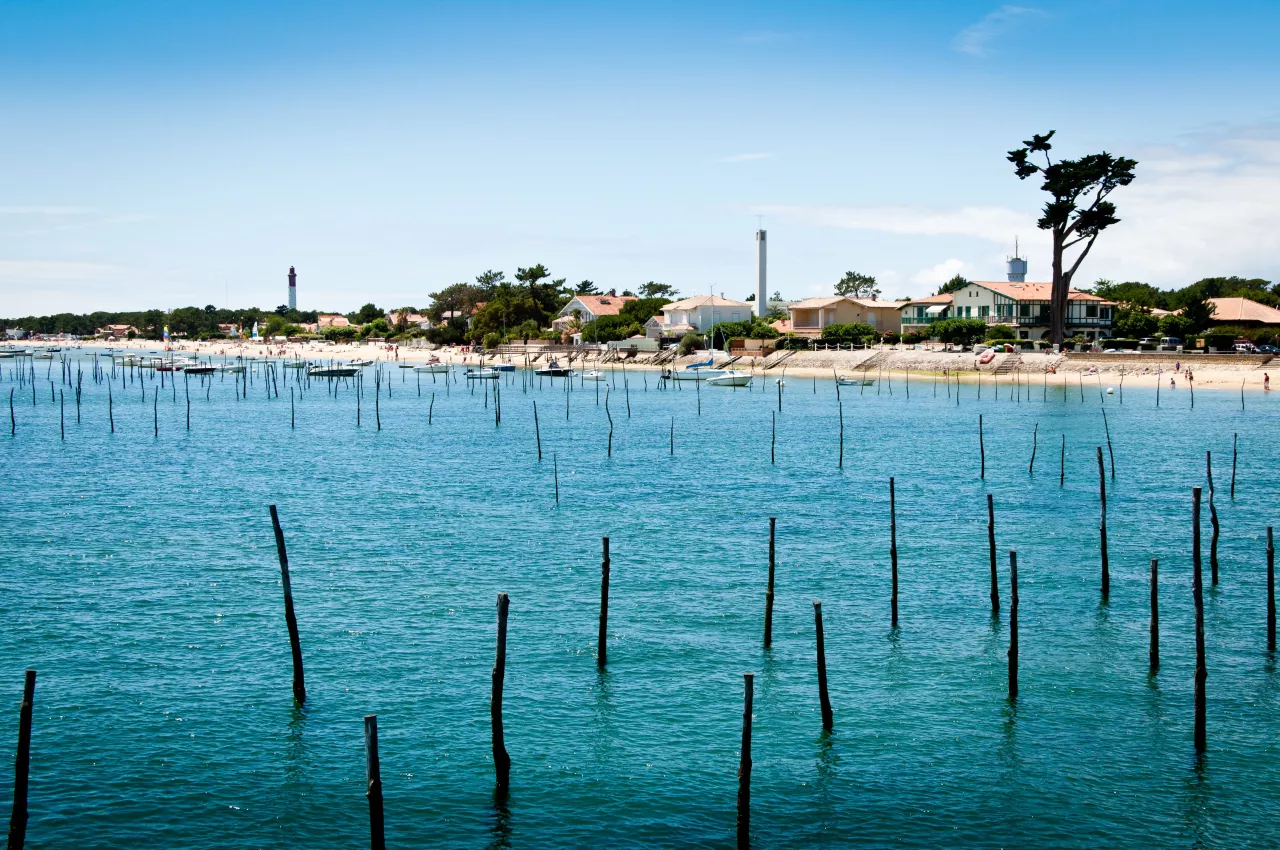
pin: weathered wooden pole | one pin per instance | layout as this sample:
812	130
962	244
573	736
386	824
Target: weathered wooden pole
602	651
1213	521
431	409
1035	434
779	383
1197	593
773	437
1109	449
1153	652
982	448
840	464
501	760
1235	438
555	473
1062	463
292	419
610	416
13	421
22	765
1013	625
1271	592
744	767
111	414
537	432
295	643
155	412
893	555
991	549
373	783
823	699
673	436
1102	525
62	414
768	594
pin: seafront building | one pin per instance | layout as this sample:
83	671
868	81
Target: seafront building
809	317
588	308
698	314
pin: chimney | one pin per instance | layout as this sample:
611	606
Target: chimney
762	297
293	289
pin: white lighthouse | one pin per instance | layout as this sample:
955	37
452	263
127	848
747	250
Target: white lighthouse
762	296
293	289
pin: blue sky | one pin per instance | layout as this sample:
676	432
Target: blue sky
166	154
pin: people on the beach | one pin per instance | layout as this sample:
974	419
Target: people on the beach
1266	382
1172	385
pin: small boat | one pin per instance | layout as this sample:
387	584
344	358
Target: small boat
730	379
333	371
987	356
850	381
503	367
169	367
55	348
699	373
594	375
404	364
200	369
485	374
436	368
230	368
295	364
360	363
553	370
43	355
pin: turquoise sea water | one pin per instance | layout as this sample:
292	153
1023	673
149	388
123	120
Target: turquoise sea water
140	578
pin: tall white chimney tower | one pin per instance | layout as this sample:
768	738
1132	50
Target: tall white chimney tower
762	296
293	289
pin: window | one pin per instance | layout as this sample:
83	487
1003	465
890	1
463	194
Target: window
984	312
737	317
1091	311
1024	309
1024	334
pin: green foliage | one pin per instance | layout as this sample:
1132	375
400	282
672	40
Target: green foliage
344	334
889	338
690	343
722	332
653	289
446	334
792	341
913	337
847	333
1197	310
1131	293
609	328
954	285
366	314
1134	322
857	285
996	332
1220	341
492	340
587	288
959	331
1174	325
377	327
642	309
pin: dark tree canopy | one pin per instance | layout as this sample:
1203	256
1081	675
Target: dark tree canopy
857	285
1078	209
954	285
653	289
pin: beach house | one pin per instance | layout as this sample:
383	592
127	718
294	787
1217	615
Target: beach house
810	316
588	308
1244	313
698	314
919	313
1024	307
332	320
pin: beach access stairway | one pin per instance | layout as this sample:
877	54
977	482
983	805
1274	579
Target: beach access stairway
1007	364
776	358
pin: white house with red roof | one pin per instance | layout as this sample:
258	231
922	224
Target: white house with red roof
588	308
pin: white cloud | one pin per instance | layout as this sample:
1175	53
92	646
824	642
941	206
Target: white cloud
942	272
745	157
976	39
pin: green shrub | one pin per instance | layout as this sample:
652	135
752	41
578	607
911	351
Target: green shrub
690	343
1000	332
791	341
1219	341
847	333
492	340
890	338
913	337
722	332
959	331
1175	326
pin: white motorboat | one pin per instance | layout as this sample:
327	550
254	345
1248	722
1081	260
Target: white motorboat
850	381
333	371
698	374
360	363
436	368
730	378
594	375
231	368
483	374
43	355
553	370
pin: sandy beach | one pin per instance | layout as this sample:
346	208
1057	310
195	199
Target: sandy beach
1210	371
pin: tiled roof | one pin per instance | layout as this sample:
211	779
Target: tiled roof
782	326
704	301
815	303
604	305
944	298
1243	310
1034	291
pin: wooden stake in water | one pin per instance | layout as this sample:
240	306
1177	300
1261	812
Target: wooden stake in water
1062	463
501	760
1109	450
155	412
62	413
893	555
673	436
22	765
1213	520
840	405
292	418
768	594
537	432
1013	625
744	767
991	549
1271	592
773	438
111	414
295	643
1234	446
373	782
610	416
13	421
982	448
1102	525
1197	594
1035	433
555	472
1153	652
824	700
602	637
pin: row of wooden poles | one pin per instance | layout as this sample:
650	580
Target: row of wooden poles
502	760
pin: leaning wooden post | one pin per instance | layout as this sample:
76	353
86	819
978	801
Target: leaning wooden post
602	653
22	765
1110	451
1197	593
1102	525
501	761
373	782
1213	521
768	594
537	432
1013	625
555	474
982	449
1035	434
893	554
292	420
295	643
1062	463
1153	652
13	421
744	767
823	699
773	438
1271	592
840	405
991	548
1234	444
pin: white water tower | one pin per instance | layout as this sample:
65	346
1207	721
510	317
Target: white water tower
1017	266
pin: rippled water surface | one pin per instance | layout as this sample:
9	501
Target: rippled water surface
140	578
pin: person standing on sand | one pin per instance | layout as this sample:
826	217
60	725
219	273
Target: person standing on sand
1266	382
1172	385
